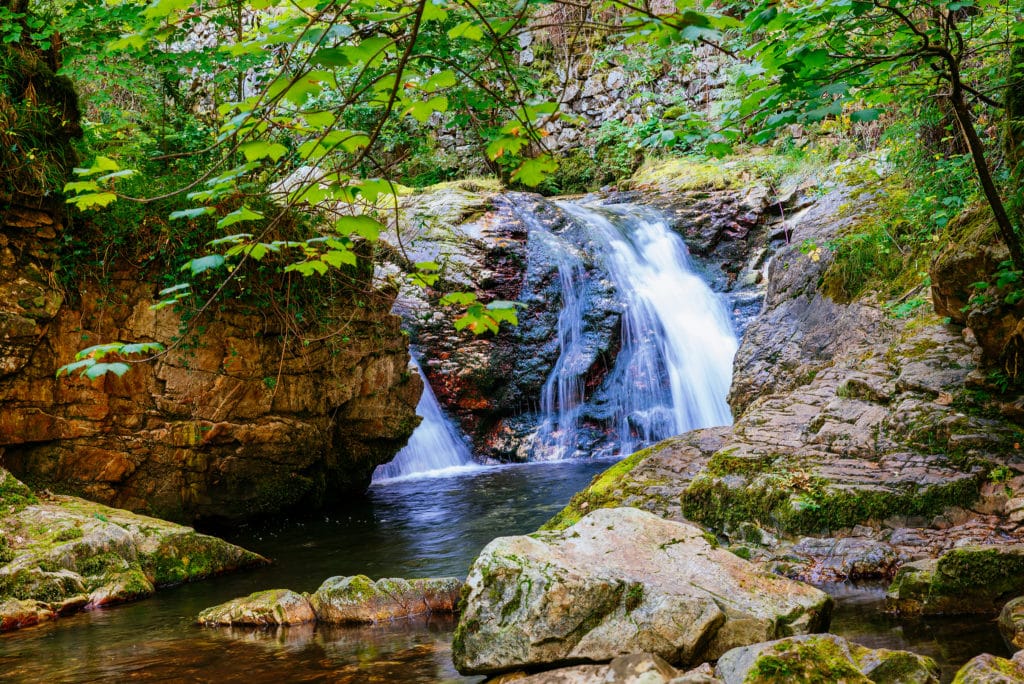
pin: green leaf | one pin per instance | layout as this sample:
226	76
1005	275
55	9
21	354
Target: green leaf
338	257
142	348
261	149
180	287
101	369
202	264
228	240
533	171
92	200
458	298
364	226
866	114
190	213
70	368
237	216
468	29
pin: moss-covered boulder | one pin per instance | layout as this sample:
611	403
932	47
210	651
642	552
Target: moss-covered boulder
358	599
1011	623
636	668
63	554
990	669
621	581
821	658
16	613
971	579
262	608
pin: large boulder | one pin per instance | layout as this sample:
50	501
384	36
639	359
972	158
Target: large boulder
636	668
358	599
262	608
971	579
622	581
59	554
1011	622
990	669
823	658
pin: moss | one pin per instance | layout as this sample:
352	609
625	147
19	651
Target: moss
810	661
741	551
69	534
13	493
978	571
192	556
773	501
601	493
728	462
101	564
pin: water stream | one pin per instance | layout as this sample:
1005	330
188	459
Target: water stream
676	343
435	449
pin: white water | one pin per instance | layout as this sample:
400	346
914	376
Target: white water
674	367
434	449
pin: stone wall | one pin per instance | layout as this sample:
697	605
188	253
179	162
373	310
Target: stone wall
226	425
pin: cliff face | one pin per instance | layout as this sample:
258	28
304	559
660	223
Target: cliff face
226	425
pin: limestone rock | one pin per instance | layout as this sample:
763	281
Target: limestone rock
823	658
990	669
1011	623
621	581
67	554
272	607
358	599
970	579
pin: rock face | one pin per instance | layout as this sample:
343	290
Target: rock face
823	658
512	246
883	432
971	579
359	600
621	581
227	425
61	554
263	608
637	668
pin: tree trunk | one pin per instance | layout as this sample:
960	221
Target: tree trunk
988	186
1013	136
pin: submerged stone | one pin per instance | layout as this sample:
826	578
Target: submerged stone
1011	623
622	581
358	599
262	608
823	658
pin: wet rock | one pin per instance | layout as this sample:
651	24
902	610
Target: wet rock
621	581
990	669
262	608
971	579
823	658
847	557
640	668
1011	623
67	554
358	599
17	613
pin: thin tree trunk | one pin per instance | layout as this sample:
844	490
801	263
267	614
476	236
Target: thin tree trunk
988	186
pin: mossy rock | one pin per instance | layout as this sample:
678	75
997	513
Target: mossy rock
14	494
971	579
989	669
823	659
262	608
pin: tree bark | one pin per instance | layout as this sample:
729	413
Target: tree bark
988	186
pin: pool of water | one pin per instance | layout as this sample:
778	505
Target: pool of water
424	527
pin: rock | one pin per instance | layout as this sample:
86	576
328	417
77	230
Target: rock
243	420
1011	623
848	557
989	669
262	608
358	599
823	658
638	668
67	554
621	581
970	579
16	613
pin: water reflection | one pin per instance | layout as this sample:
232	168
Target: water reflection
410	528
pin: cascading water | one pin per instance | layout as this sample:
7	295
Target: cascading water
674	364
433	448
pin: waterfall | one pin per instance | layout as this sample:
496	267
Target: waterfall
674	365
433	448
